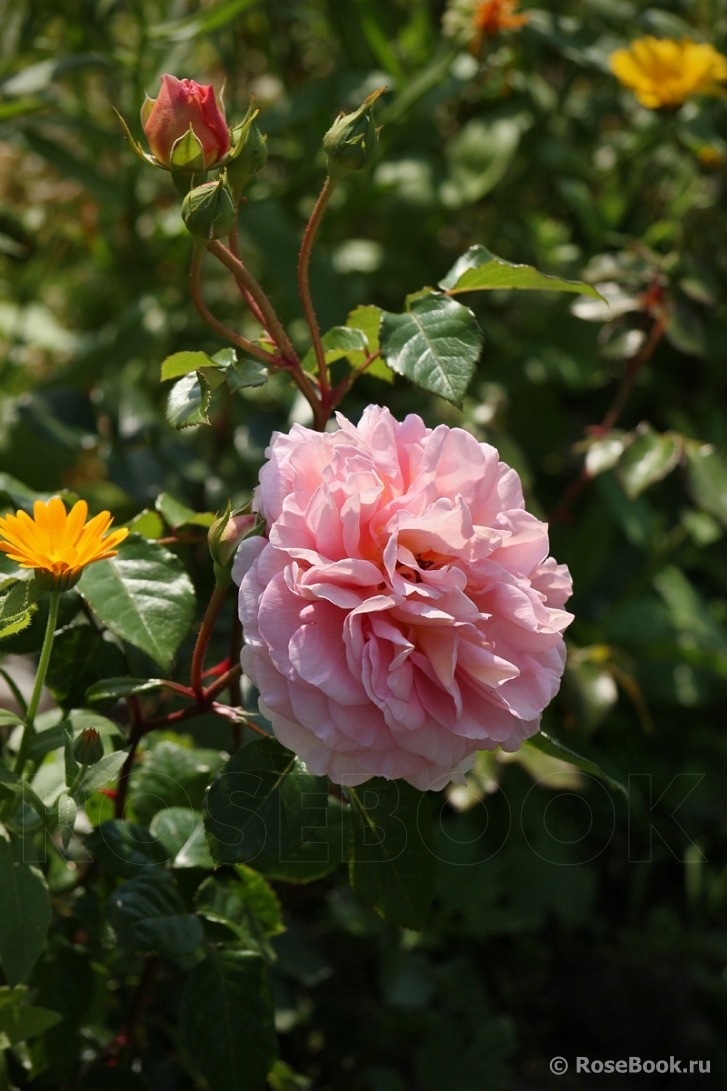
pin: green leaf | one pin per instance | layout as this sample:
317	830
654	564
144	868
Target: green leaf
187	153
200	22
17	495
115	689
19	1021
173	827
248	906
435	344
67	811
264	804
480	155
548	745
647	459
25	911
195	852
178	514
182	363
147	524
51	727
339	342
172	776
479	270
22	788
79	658
368	319
188	402
144	596
147	914
245	373
707	477
125	848
393	863
317	857
17	606
227	1020
10	719
100	774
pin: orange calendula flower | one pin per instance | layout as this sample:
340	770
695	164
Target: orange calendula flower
664	72
58	542
492	16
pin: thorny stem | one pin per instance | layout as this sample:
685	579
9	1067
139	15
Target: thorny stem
203	637
234	245
288	360
634	366
195	282
340	391
270	320
617	406
304	289
205	702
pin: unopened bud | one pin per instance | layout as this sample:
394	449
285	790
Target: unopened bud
209	211
88	747
225	535
248	157
352	140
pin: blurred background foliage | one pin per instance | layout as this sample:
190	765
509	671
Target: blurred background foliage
570	930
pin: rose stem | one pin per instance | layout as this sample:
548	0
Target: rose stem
203	638
246	295
304	289
195	281
634	366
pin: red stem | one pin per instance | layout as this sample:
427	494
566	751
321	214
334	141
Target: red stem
270	320
614	412
203	638
304	289
195	282
246	295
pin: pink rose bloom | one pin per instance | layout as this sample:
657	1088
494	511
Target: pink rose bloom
182	103
402	612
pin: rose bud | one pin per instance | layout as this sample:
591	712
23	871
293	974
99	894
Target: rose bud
352	140
249	159
209	210
88	747
184	107
225	535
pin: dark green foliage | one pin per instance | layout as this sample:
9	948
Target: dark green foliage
540	224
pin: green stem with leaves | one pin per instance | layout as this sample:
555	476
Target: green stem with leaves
29	731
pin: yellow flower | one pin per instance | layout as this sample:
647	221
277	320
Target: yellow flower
664	72
58	542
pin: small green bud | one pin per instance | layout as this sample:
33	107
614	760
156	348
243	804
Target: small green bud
248	157
88	747
225	535
209	210
352	140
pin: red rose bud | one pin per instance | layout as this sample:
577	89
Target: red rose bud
88	747
185	125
